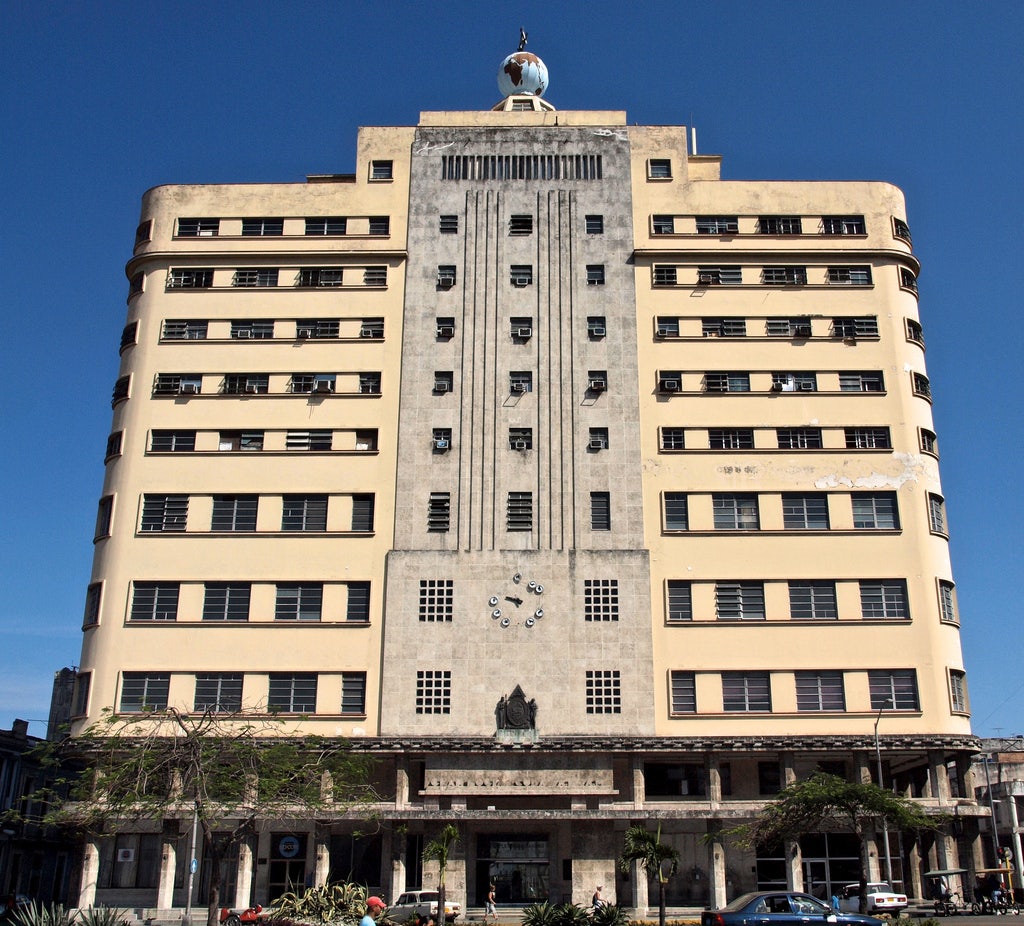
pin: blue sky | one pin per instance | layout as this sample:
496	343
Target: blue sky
105	99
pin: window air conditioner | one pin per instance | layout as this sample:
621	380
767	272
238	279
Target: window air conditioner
323	385
807	387
597	331
596	444
367	333
670	385
518	387
440	385
188	389
250	389
243	333
597	385
523	332
661	333
445	331
440	444
304	333
705	278
519	445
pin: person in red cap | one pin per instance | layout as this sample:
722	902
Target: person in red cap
374	907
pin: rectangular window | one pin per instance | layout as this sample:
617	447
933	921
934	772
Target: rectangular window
866	381
601	599
520	274
369	383
320	277
380	225
739	601
312	383
597	380
866	327
218	692
80	704
445	327
884	599
292	692
318	328
731	275
843	225
731	438
144	232
958	692
784	276
198	228
330	225
178	384
520	225
594	224
735	511
381	170
598	439
172	441
798	438
929	441
769	778
868	439
915	332
663	225
444	381
673	438
448	224
439	512
664	275
677	516
659	169
519	511
901	229
366	439
723	327
246	384
184	329
799	327
226	601
727	382
164	513
805	511
849	276
666	326
259	330
813	601
893	689
309	440
362	513
437	598
353	692
92	604
595	274
597	327
103	515
947	602
240	441
234	512
780	225
433	691
375	276
189	279
445	275
600	511
304	513
372	328
441	439
683	691
604	691
255	277
155	601
129	335
920	385
875	511
746	692
937	514
299	601
717	225
265	228
680	600
144	691
820	691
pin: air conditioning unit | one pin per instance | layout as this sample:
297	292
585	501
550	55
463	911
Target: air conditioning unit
445	331
669	385
441	444
712	334
518	386
705	278
519	445
323	385
777	387
597	331
243	333
126	855
596	444
661	333
440	385
520	281
597	385
367	333
806	387
522	332
250	389
188	389
304	333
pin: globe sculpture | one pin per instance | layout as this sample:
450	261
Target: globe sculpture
522	72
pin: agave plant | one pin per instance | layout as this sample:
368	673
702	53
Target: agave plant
609	915
101	916
571	914
37	914
329	903
540	914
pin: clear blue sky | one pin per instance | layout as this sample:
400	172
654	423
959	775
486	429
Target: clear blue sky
103	100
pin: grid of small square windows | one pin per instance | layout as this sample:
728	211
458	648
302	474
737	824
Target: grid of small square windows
601	599
813	601
683	692
155	601
437	600
679	600
604	691
226	601
594	224
433	691
884	599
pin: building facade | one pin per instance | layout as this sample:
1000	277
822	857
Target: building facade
579	485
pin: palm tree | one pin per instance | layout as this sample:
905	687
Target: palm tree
656	858
438	850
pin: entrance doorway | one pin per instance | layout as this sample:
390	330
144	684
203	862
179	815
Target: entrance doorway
517	866
287	864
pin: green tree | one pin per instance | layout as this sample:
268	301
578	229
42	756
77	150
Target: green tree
439	850
825	800
223	770
656	858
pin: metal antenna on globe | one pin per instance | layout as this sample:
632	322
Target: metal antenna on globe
522	38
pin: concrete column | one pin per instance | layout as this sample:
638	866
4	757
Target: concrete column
261	876
863	764
788	762
397	855
916	887
874	864
243	883
639	785
90	874
965	776
640	892
938	775
794	866
168	865
716	866
322	859
402	783
713	768
1018	863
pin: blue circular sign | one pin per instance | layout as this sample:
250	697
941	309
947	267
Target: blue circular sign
288	847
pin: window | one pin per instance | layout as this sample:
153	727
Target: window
381	170
309	440
369	383
362	513
659	169
129	335
937	514
676	512
445	275
520	274
884	599
93	595
731	438
136	283
292	692
519	511
820	691
333	225
723	327
320	277
663	225
164	513
746	692
255	277
433	691
601	599
318	383
80	705
799	327
375	276
664	275
853	328
234	512
226	601
445	327
735	511
594	224
357	608
679	600
719	276
177	384
870	381
520	381
144	691
799	438
219	692
439	512
304	513
198	228
144	232
600	511
958	692
717	225
813	601
113	448
598	439
739	601
371	328
901	229
441	439
155	601
189	279
683	687
727	382
437	598
895	689
769	781
921	386
915	332
240	440
103	515
595	274
366	439
353	692
298	601
908	280
673	438
448	224
868	439
520	225
318	328
780	225
243	330
843	225
948	611
380	225
172	441
875	511
246	384
929	441
805	511
597	380
784	276
604	691
266	228
520	438
849	276
666	326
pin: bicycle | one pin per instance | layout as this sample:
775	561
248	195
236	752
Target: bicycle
950	905
1003	907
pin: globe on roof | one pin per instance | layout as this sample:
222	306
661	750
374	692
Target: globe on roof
522	72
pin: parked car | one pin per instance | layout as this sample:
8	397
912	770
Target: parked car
781	908
414	904
881	898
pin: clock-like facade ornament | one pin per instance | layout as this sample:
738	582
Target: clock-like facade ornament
519	605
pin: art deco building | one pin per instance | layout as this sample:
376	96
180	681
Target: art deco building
581	486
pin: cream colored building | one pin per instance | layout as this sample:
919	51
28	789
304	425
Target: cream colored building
580	485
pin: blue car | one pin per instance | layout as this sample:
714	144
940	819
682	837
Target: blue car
781	908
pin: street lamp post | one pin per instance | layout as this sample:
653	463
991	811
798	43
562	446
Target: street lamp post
885	825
